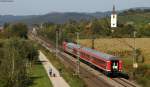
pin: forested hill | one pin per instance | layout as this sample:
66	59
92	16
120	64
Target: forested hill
55	17
58	18
12	18
137	15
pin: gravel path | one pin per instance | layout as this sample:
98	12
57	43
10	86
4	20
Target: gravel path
57	81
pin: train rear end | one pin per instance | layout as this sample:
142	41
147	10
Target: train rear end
114	67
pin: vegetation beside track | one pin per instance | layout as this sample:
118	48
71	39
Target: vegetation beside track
18	59
17	56
39	76
67	73
141	74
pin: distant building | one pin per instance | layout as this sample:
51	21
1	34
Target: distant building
1	29
113	18
34	31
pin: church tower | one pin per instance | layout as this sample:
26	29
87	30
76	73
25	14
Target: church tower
113	18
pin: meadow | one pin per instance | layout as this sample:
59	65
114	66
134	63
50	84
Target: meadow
120	44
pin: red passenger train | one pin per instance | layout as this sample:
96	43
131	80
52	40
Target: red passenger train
108	63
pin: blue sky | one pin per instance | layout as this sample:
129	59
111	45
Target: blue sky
34	7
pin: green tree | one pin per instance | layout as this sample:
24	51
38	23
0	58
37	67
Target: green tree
145	31
17	55
16	30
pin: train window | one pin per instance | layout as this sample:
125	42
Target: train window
87	55
82	54
69	47
100	61
93	57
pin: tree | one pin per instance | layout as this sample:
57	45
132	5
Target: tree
16	54
145	31
6	25
125	31
16	30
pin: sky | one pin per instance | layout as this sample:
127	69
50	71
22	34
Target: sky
38	7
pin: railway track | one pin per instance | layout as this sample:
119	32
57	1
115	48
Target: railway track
90	79
124	82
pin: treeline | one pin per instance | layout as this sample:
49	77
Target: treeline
135	11
96	28
17	55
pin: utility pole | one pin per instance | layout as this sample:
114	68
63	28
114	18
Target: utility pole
134	56
112	31
13	64
93	42
56	43
135	65
78	56
134	33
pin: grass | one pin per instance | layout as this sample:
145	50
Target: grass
67	72
39	77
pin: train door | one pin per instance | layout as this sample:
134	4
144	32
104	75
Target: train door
114	65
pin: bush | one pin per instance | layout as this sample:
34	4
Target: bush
142	75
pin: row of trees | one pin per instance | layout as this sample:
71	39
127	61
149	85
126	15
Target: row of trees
16	56
95	28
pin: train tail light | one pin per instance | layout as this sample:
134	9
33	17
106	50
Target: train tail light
120	65
108	66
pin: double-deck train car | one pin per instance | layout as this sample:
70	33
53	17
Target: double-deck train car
108	63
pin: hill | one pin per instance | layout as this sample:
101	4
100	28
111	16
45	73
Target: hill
12	18
137	15
55	17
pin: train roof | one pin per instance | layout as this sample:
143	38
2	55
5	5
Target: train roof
95	52
72	45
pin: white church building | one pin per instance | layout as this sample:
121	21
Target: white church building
113	18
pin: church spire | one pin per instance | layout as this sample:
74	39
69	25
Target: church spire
114	11
113	18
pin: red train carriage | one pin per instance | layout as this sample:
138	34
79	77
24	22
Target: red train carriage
103	61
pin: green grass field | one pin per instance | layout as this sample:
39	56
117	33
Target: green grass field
39	77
